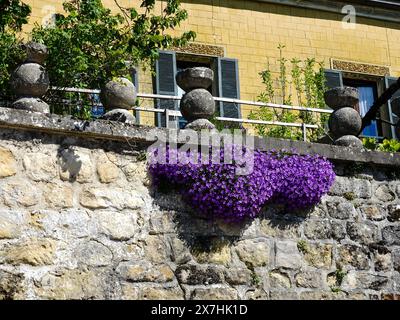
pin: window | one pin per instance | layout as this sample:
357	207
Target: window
226	82
370	87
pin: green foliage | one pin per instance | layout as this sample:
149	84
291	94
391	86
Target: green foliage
13	15
388	145
90	45
302	246
307	80
350	196
255	279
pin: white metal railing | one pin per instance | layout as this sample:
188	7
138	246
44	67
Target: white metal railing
175	113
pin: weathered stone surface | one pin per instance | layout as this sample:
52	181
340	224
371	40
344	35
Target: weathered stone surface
21	194
362	232
31	104
373	212
195	78
197	104
394	213
390	296
318	255
58	196
238	276
30	79
310	279
93	253
119	94
180	252
352	255
118	225
35	252
283	295
198	275
341	97
396	259
76	165
72	284
279	228
200	124
8	165
349	141
108	172
105	197
224	294
254	253
364	280
279	280
322	295
11	287
318	229
120	115
338	230
391	235
154	293
345	121
40	167
11	224
359	188
220	253
145	272
35	52
384	194
256	294
382	261
68	224
156	249
287	255
341	210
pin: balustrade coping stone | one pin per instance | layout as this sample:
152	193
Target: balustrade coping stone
115	131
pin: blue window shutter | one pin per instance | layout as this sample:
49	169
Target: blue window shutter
228	82
334	78
166	83
392	117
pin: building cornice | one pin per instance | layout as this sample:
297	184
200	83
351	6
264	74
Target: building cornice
373	9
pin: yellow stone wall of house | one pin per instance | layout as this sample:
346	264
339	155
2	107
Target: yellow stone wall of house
250	31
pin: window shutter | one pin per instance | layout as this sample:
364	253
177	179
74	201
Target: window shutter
334	79
228	82
165	83
392	117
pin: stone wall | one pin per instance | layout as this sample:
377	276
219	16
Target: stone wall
79	220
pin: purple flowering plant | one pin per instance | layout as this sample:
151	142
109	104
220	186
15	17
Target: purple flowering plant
215	190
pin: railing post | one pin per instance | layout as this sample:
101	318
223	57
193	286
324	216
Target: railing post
167	118
30	81
304	128
345	122
197	105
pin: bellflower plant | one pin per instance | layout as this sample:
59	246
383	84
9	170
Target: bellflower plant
215	190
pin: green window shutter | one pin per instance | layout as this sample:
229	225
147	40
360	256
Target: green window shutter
166	83
392	117
228	83
334	78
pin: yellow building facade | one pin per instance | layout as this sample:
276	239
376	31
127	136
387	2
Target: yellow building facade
249	33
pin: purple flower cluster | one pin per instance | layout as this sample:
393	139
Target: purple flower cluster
216	191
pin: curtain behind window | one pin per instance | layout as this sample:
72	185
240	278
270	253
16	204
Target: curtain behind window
367	99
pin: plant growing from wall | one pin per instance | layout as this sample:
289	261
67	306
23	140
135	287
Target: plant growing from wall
388	145
307	81
215	191
13	15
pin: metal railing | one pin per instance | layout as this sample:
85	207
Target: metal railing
175	113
